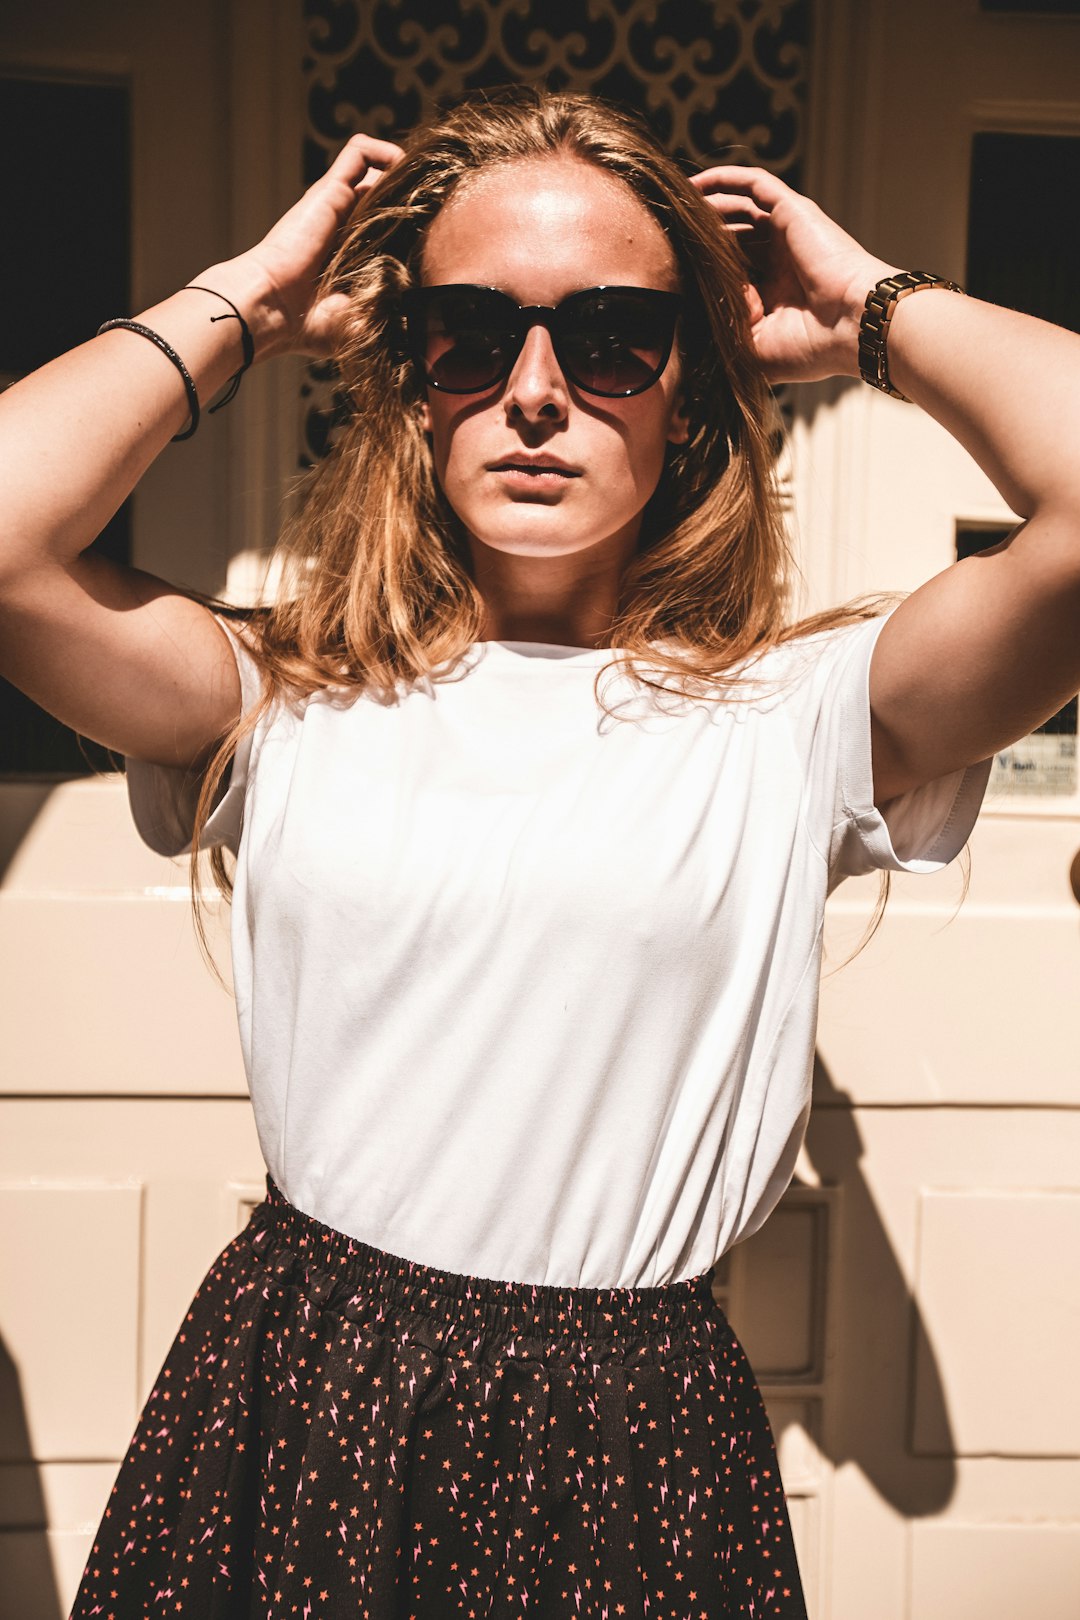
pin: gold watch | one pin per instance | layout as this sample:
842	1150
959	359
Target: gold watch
881	302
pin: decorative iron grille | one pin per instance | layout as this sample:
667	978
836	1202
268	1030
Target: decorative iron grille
711	76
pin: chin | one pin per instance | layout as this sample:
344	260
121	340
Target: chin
535	545
543	533
537	532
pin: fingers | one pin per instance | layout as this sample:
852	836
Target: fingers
359	165
758	189
744	199
361	153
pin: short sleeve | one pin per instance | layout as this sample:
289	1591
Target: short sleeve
920	831
163	798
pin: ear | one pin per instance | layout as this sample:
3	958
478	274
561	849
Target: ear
679	426
423	416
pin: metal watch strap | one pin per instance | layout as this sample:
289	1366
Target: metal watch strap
881	302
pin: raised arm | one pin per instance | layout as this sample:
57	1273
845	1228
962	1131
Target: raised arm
990	648
110	650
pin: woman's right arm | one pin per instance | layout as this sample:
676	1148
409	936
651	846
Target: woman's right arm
112	651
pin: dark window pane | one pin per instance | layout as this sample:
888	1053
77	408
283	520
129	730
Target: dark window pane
1028	768
65	206
974	537
1023	227
1029	8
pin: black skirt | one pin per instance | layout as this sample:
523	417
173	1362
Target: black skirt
338	1432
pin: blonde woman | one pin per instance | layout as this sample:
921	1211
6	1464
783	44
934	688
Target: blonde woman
534	796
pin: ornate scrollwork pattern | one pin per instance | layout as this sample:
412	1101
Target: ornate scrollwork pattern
710	75
718	80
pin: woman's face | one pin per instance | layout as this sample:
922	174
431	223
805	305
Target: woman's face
539	230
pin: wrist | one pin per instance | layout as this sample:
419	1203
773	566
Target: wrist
849	327
244	282
211	330
876	324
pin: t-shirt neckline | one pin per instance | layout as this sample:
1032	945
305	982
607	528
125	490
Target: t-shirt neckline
545	651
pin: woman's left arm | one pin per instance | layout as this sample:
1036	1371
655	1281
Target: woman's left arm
987	650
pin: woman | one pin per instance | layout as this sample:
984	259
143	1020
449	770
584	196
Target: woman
541	798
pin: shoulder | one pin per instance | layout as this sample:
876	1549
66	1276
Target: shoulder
806	647
810	658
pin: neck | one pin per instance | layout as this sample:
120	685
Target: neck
569	601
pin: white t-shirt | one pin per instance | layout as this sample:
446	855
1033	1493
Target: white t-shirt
530	993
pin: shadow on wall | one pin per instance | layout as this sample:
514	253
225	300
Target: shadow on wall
28	1589
881	1336
20	805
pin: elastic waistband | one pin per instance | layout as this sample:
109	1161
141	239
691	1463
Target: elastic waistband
369	1285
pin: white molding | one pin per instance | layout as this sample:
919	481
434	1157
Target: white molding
848	65
71	67
831	419
265	157
1024	117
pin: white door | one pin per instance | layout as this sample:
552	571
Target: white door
127	1152
912	1308
945	1462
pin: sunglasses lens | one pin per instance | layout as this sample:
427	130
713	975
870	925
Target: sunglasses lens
463	340
615	343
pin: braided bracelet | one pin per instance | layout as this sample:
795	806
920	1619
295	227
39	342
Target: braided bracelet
171	354
247	342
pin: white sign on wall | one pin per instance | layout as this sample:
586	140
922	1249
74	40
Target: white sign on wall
1044	763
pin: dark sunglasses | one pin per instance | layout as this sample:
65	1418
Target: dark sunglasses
611	341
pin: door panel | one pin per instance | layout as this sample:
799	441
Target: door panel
925	1253
948	1083
117	1183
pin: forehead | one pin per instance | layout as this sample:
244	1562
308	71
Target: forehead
545	227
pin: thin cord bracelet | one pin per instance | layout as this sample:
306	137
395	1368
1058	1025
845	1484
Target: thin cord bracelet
170	354
247	342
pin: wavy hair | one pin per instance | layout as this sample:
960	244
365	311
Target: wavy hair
375	582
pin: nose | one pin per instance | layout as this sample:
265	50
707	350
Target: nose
536	388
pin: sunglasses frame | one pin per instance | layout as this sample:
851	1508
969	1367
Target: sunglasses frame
414	307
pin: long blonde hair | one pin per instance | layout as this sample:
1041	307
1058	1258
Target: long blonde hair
376	587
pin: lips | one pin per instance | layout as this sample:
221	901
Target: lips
533	466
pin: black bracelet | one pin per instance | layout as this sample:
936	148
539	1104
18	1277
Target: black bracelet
247	342
167	350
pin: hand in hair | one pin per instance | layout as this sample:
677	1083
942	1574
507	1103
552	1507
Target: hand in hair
987	649
809	278
123	657
294	252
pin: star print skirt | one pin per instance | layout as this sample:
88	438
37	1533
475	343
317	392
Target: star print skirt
337	1432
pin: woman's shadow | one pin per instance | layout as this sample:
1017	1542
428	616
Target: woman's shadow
882	1372
28	1589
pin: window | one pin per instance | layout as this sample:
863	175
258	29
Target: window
1033	8
1044	764
1023	229
65	204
